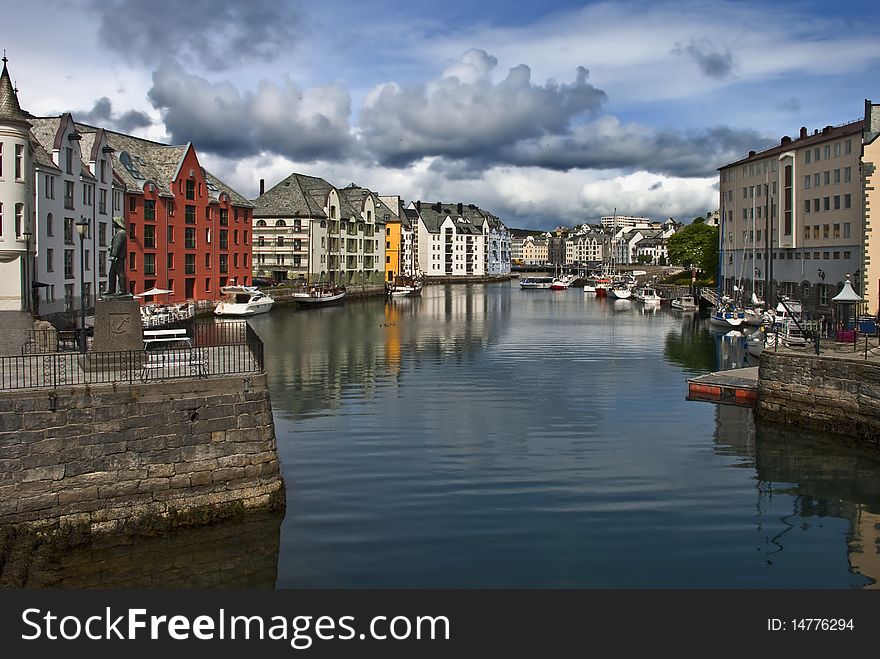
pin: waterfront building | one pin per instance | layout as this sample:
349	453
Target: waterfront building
307	229
452	239
497	247
517	239
188	232
409	219
535	250
618	221
792	216
17	160
74	184
393	235
871	200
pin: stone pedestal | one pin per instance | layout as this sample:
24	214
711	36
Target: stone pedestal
13	331
118	325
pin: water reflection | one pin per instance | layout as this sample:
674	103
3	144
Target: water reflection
234	554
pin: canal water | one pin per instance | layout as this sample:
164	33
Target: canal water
487	436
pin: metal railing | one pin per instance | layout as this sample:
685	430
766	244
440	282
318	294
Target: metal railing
224	349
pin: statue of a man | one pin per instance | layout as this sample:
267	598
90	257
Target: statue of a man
117	259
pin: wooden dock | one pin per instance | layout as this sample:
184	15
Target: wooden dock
738	386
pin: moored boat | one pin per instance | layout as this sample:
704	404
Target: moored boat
535	282
405	286
685	303
315	295
647	295
243	301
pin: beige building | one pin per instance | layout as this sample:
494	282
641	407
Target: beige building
871	182
535	251
792	216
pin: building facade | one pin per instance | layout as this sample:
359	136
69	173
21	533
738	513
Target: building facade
792	218
871	204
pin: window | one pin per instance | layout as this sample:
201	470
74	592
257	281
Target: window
836	231
190	214
806	205
207	212
190	189
224	263
149	236
68	160
807	156
170	234
847	255
827	151
68	194
816	205
132	261
68	231
261	223
149	209
88	194
102	203
50	225
50	260
826	230
169	207
826	203
836	255
19	162
50	186
103	171
827	177
170	261
806	181
189	264
816	154
208	260
208	236
132	205
224	216
235	260
245	238
132	230
117	200
224	239
847	201
189	240
235	237
826	255
68	264
837	176
836	149
149	264
816	255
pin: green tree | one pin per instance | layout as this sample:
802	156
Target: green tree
695	246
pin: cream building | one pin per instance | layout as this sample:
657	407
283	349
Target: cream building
871	197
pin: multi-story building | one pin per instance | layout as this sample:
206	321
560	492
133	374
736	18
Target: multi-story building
332	236
871	204
17	160
393	235
409	241
76	185
535	250
451	240
497	247
792	216
587	247
619	221
188	232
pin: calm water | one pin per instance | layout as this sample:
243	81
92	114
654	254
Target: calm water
485	436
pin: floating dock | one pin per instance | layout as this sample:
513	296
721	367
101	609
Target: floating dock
738	386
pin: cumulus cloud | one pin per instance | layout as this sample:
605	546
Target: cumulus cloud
280	118
219	34
464	111
102	115
711	61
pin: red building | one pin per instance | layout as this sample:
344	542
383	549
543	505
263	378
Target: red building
188	232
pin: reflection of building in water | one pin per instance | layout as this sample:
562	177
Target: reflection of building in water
864	546
392	333
823	477
235	554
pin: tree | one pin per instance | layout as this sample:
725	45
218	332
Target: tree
695	246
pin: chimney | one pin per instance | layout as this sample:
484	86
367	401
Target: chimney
785	140
439	207
418	206
262	186
803	132
751	154
826	130
460	208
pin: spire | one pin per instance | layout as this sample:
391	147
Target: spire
10	110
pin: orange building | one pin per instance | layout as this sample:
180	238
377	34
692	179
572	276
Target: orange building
188	232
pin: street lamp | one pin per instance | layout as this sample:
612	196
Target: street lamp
28	284
82	227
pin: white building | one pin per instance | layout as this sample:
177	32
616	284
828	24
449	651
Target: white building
452	240
623	221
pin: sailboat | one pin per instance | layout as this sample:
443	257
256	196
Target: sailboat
321	292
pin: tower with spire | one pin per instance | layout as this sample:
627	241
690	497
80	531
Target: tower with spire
16	185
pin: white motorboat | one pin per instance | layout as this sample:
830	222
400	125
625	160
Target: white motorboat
315	295
685	303
562	283
620	291
243	301
647	295
535	282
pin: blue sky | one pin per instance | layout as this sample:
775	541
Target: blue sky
545	113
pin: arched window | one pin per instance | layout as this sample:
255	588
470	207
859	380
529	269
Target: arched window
323	224
280	223
261	223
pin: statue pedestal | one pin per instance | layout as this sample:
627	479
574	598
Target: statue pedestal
118	325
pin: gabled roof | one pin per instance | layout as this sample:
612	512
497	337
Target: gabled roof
357	197
47	131
296	196
470	220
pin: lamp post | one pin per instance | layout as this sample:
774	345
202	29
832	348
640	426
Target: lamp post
28	284
82	227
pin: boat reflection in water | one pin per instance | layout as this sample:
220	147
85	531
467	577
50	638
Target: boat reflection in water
234	554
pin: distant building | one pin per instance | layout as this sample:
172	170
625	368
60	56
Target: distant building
535	250
619	221
871	202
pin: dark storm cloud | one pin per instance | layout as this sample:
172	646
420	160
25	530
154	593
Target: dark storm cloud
712	62
102	115
219	34
465	112
280	119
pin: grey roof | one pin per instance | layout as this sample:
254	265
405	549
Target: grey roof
357	196
10	110
296	196
470	220
45	130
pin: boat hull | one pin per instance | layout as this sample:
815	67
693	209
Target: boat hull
308	299
227	309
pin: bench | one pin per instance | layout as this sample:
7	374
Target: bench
172	356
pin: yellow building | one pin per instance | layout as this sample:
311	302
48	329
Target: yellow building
392	248
871	189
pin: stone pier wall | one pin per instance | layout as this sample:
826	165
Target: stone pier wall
138	458
827	394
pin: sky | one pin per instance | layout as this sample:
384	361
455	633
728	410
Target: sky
545	113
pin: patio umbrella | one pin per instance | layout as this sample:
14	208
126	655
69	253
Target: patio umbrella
154	291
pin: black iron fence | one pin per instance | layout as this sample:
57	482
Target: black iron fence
209	355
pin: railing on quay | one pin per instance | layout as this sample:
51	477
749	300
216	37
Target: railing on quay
231	349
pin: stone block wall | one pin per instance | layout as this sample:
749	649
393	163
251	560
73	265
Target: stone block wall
139	457
826	394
